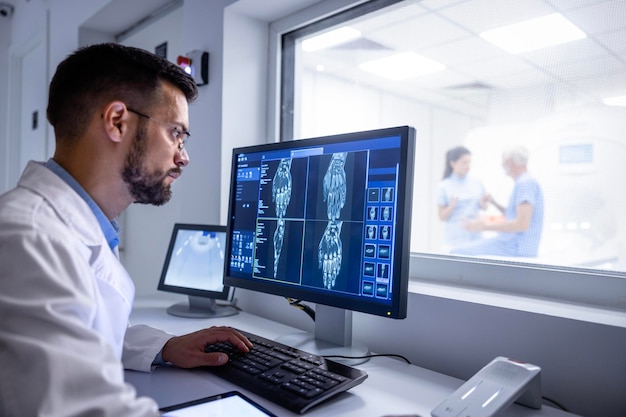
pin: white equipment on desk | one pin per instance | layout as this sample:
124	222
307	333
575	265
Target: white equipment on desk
495	387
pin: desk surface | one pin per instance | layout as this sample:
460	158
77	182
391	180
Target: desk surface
393	387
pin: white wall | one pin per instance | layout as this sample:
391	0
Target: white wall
244	94
584	366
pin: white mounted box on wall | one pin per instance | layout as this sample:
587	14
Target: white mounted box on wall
500	383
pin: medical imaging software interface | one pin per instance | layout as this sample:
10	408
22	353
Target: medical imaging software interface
197	260
320	217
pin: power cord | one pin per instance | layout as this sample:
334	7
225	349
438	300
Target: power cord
298	304
232	304
373	355
558	405
308	310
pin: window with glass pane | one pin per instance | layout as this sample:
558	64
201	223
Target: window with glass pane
528	98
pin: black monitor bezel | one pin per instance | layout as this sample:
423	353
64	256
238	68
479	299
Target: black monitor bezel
225	294
398	307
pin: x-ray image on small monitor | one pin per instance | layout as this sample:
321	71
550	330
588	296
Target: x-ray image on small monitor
194	265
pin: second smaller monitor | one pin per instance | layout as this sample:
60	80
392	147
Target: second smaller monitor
194	265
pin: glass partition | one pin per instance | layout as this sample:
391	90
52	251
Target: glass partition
539	122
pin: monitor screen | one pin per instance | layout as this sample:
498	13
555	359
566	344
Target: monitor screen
194	265
325	220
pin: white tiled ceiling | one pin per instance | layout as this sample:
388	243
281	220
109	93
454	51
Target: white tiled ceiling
448	31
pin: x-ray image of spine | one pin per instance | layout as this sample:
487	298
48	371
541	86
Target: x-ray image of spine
281	196
329	253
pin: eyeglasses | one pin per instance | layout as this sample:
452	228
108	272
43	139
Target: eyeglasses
177	133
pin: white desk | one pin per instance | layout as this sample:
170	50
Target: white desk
392	386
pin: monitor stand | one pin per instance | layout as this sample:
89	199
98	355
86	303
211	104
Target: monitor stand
333	336
201	308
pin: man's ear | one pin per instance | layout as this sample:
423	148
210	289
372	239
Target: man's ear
115	120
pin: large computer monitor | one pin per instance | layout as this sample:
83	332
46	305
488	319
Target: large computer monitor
325	220
194	265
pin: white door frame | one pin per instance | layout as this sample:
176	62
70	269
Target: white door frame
17	54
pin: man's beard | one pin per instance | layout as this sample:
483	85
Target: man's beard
145	187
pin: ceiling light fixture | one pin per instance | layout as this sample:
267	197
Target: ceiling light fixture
330	39
402	66
533	34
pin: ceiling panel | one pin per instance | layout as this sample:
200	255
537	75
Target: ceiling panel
615	42
573	4
604	16
463	51
565	54
492	68
444	79
481	15
439	4
421	32
593	68
392	15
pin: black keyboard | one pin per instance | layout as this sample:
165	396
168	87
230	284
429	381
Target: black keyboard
289	377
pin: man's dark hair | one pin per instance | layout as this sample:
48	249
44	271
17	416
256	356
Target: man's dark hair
101	73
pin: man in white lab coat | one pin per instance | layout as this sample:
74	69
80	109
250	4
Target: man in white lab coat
120	117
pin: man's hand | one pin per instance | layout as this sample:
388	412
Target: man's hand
188	351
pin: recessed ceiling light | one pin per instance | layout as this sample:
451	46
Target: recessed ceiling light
615	101
330	39
533	34
402	66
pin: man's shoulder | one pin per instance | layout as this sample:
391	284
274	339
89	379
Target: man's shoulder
527	180
42	201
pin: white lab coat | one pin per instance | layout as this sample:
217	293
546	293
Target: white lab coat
64	304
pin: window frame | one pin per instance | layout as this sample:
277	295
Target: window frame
596	296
